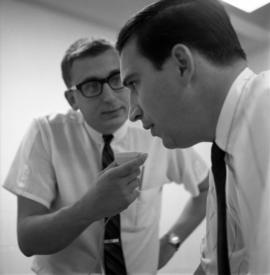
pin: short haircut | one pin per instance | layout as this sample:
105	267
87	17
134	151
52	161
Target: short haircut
81	48
202	25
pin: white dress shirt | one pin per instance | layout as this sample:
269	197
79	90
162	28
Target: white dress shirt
243	132
59	160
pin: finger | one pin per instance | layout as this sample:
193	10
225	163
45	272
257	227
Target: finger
120	183
134	184
108	168
134	195
124	182
111	165
130	166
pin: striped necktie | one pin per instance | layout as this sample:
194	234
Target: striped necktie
219	173
114	262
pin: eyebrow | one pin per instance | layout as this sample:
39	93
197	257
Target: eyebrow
94	78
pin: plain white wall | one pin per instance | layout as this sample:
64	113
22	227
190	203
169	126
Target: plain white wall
32	43
259	60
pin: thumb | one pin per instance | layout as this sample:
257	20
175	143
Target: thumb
111	165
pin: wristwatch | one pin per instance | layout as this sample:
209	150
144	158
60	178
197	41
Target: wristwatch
174	240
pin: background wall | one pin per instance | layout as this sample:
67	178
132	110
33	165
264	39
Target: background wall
33	39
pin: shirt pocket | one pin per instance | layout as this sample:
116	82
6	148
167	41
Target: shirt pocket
147	208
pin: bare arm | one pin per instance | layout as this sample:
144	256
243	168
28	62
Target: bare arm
43	232
191	216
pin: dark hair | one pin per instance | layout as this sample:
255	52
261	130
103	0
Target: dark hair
202	25
83	47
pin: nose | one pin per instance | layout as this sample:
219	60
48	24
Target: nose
135	112
107	93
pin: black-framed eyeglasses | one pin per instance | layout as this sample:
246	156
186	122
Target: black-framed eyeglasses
94	86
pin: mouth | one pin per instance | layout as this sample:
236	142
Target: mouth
147	127
150	127
112	113
153	133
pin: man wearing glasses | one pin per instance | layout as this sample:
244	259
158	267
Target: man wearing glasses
69	200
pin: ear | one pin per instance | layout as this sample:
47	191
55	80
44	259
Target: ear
184	59
71	99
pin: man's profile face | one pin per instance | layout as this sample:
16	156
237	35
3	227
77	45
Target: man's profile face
108	111
159	98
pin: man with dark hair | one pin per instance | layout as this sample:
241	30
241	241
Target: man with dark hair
76	217
189	83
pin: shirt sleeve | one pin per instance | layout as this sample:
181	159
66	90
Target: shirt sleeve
187	167
31	174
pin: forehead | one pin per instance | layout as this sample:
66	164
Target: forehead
95	66
130	60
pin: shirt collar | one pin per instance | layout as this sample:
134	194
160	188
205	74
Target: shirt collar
227	113
118	135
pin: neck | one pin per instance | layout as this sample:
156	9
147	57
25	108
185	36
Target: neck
217	92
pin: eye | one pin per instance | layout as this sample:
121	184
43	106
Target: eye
132	85
91	85
90	88
115	81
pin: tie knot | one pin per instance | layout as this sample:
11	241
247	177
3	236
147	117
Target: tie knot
107	138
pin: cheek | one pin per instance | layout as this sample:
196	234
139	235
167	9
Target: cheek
149	105
125	98
151	99
89	109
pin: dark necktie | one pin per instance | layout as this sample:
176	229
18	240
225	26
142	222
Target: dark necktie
114	262
219	172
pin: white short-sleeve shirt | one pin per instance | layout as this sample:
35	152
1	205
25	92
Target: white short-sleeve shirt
243	132
58	162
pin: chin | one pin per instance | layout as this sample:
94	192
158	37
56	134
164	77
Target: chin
173	144
114	124
168	143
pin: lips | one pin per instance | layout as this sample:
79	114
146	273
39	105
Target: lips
113	113
153	132
150	127
147	127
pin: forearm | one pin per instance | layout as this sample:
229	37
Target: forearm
191	216
51	232
44	232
